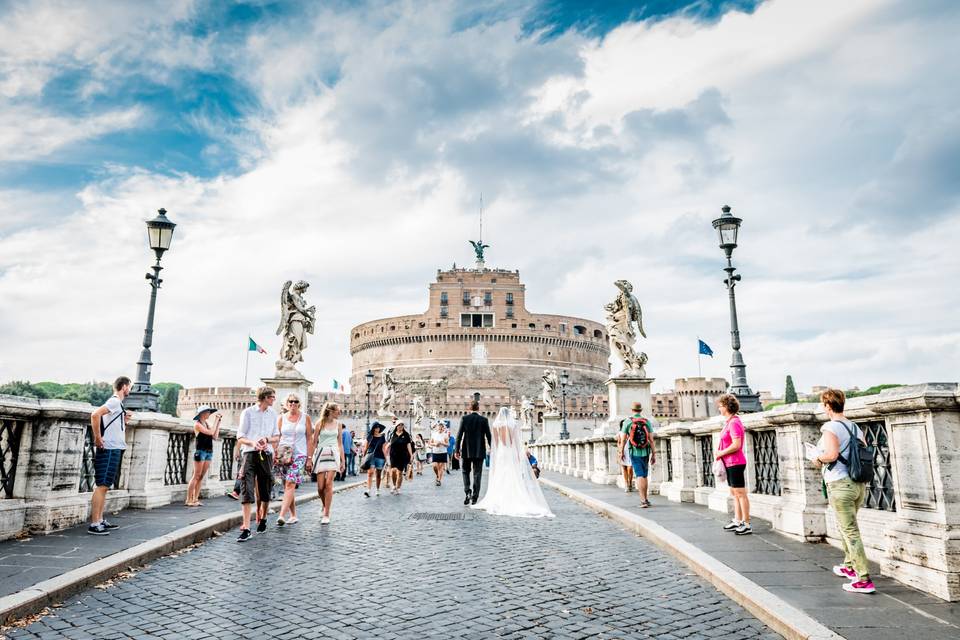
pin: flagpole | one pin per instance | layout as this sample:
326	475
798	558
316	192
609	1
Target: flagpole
246	367
699	371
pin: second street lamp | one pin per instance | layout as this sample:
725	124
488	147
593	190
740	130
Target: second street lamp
728	227
564	379
368	378
142	396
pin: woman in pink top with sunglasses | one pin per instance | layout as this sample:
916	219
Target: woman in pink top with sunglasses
735	462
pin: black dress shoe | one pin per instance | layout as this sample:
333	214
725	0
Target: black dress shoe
473	500
467	499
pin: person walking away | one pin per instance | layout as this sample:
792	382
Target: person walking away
351	451
452	462
626	466
637	434
294	459
374	447
328	456
401	453
439	439
844	494
203	454
735	462
473	439
257	435
108	424
419	452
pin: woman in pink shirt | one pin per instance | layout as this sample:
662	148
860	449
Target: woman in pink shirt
731	452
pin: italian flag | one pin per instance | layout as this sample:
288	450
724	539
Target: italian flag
253	346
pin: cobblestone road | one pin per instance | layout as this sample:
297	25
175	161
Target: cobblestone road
376	572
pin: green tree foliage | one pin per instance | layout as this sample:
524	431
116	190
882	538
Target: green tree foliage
790	393
24	389
169	393
872	391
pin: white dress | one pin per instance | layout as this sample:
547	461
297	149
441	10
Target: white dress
512	490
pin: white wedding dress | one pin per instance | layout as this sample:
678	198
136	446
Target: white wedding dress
512	490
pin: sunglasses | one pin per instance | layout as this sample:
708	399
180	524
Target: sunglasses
293	401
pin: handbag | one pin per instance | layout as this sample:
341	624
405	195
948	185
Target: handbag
284	456
324	454
719	471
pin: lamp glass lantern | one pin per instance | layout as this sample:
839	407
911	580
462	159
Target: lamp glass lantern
368	376
160	232
727	226
564	377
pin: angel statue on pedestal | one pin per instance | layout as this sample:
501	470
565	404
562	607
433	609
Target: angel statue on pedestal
296	321
550	383
622	314
387	394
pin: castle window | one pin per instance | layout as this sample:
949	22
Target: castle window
510	298
597	333
476	320
509	312
579	330
443	311
443	297
546	327
531	326
487	298
513	326
493	280
356	335
466	298
563	327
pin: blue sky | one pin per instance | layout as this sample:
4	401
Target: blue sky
353	141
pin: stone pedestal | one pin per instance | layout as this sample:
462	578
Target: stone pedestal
552	424
606	466
287	382
622	392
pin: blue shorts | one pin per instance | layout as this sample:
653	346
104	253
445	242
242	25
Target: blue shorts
202	456
106	465
377	463
641	466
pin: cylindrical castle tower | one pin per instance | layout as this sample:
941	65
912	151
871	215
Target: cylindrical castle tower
478	332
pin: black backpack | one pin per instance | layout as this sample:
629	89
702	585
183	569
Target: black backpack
860	458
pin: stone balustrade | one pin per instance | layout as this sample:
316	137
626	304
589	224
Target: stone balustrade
46	464
911	517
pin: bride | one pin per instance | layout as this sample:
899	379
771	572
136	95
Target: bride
512	490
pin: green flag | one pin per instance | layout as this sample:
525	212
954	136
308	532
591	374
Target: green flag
253	346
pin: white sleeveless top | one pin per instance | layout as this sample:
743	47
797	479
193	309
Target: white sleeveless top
295	434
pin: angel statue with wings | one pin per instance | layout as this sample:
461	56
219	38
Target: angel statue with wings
388	393
622	314
296	321
478	248
550	383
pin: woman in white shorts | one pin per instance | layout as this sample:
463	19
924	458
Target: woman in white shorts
328	456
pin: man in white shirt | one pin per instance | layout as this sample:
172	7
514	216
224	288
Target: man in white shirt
108	425
257	435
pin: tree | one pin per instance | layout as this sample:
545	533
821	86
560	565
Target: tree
24	389
169	394
790	393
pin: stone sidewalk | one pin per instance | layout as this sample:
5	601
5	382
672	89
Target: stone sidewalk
798	573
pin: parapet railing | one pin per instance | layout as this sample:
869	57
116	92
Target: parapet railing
910	520
47	464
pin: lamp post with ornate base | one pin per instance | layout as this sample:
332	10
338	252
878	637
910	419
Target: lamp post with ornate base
564	379
142	396
728	226
368	378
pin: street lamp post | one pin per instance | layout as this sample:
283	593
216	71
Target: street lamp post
564	379
593	413
728	226
368	377
142	396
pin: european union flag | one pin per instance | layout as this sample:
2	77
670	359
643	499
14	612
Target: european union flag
705	348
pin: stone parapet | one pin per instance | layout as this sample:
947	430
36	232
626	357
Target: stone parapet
48	464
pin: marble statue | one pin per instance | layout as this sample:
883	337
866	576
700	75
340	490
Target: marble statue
296	321
419	410
550	383
622	314
434	417
526	413
387	394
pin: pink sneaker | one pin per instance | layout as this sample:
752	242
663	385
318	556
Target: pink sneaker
864	586
845	572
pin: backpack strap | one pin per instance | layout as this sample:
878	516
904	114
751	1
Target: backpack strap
853	436
104	427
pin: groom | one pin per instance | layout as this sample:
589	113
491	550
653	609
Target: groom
472	441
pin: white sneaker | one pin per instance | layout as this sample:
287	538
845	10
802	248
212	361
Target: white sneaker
293	521
378	492
325	520
733	525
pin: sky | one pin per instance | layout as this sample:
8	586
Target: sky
348	144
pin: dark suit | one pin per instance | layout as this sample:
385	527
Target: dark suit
472	441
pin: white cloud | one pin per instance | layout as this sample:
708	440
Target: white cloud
607	159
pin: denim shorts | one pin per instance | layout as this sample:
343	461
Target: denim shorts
202	456
106	465
377	463
641	465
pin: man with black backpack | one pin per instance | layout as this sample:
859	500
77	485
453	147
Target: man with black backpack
108	425
638	442
847	465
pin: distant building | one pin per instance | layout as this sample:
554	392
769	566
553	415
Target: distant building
698	396
666	405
